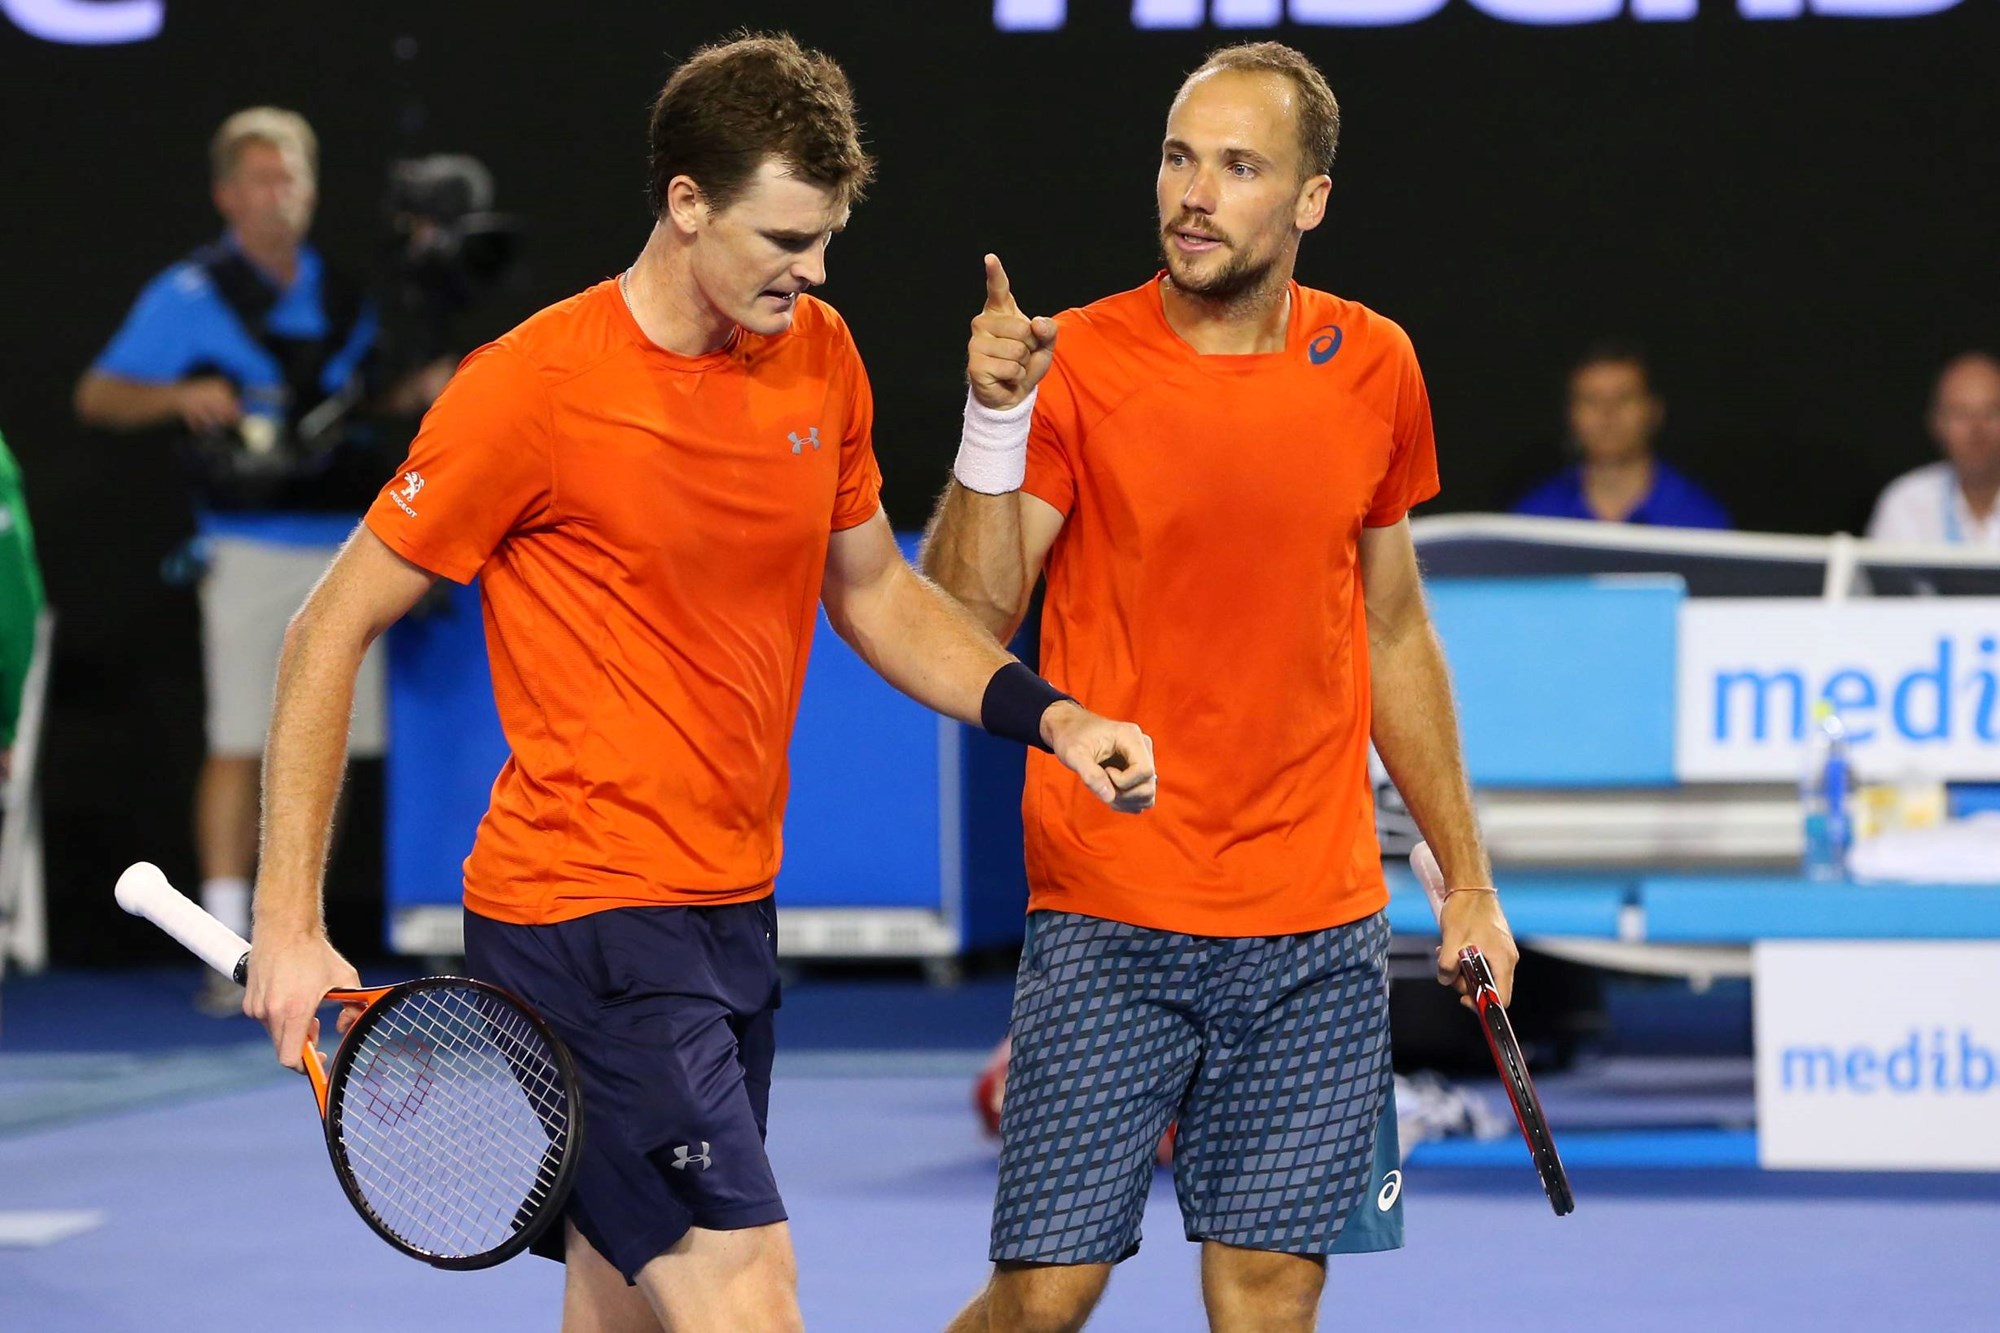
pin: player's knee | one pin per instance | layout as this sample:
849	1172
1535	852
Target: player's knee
1044	1298
1283	1289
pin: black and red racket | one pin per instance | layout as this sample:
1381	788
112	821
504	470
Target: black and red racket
1507	1056
452	1113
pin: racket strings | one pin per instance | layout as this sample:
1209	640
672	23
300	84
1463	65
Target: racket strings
453	1197
454	1119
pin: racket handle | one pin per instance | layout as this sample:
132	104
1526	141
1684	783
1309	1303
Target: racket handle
144	891
1424	863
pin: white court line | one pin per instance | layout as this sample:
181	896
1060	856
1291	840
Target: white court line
28	1231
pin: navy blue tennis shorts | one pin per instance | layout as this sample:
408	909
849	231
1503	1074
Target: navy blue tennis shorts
1271	1053
668	1012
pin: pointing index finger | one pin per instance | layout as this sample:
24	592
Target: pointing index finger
999	295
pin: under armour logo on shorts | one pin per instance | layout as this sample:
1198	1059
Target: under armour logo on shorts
684	1156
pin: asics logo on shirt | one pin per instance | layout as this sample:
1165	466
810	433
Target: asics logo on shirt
684	1156
812	438
1325	342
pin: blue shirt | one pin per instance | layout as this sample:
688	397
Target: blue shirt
181	324
1673	501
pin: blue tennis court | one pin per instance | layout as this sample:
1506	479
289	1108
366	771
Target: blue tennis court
207	1201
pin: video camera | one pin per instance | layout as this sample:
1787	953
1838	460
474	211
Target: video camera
444	247
299	447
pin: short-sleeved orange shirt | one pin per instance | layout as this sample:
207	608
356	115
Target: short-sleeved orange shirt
1205	585
650	532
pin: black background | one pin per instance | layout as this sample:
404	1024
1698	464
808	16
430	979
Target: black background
1798	218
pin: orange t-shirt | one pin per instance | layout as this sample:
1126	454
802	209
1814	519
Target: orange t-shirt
650	532
1205	585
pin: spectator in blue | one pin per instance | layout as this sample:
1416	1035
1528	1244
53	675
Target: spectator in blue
1614	415
258	355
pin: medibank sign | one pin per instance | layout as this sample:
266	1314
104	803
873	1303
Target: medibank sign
1917	684
1939	1061
1877	1055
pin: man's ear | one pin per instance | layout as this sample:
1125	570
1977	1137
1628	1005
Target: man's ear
686	206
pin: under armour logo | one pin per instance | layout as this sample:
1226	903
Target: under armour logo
684	1156
812	438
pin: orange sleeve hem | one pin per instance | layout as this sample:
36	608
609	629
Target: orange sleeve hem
842	522
430	561
1374	518
1048	495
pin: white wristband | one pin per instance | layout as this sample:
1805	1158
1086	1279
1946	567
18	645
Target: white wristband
993	451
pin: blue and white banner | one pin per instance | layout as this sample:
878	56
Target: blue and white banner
1916	683
1240	15
1878	1056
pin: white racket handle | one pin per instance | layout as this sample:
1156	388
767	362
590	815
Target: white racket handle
144	891
1429	874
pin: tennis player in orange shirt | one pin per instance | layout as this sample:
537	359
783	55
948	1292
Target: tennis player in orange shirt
1213	470
659	482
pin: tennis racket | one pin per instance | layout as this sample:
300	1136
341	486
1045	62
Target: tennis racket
452	1113
1513	1065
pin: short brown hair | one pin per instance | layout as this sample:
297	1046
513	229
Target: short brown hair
1317	110
284	130
758	95
1615	352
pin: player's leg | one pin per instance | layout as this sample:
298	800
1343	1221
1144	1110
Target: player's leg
1103	1048
740	1281
1258	1291
673	1190
742	1277
596	1296
1044	1298
1279	1148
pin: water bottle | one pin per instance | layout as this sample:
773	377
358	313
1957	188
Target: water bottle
1823	793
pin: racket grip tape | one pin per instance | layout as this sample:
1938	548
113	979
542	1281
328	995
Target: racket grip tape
143	891
1424	864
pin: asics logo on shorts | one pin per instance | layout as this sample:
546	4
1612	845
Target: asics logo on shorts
1385	1199
685	1156
812	438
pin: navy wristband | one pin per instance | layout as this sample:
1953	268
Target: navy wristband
1014	703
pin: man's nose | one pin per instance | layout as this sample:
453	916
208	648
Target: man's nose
1199	197
811	267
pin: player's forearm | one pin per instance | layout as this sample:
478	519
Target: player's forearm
973	550
920	641
116	403
1415	729
303	763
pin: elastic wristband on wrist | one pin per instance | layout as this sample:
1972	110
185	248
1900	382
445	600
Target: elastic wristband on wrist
993	448
1014	702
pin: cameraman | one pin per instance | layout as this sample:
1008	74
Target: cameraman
261	355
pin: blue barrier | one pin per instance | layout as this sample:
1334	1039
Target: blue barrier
1563	682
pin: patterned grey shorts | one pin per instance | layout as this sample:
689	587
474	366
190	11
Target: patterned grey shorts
1272	1053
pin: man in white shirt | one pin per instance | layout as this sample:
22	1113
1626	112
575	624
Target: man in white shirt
1952	502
